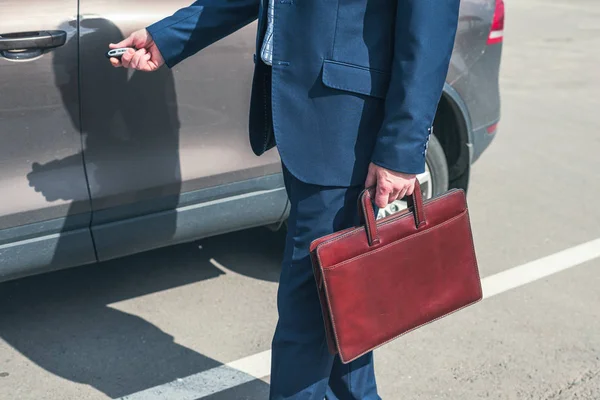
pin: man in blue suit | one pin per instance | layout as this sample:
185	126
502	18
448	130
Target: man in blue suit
347	90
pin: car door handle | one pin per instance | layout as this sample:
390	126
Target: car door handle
32	40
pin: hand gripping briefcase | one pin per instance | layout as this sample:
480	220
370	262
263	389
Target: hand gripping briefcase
381	280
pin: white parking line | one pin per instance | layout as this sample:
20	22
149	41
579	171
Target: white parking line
258	366
541	268
211	381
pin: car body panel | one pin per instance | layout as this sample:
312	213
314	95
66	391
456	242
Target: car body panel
484	108
474	71
149	139
45	207
169	132
210	211
41	170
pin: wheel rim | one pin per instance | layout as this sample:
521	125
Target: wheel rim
426	181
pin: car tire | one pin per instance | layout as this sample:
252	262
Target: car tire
438	167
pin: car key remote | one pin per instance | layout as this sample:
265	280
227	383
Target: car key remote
117	53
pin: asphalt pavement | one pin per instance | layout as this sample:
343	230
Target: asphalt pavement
196	320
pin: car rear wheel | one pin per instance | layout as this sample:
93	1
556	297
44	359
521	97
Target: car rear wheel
434	181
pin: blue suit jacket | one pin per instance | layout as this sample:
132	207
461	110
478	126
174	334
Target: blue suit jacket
353	81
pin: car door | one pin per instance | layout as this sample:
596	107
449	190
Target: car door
156	143
44	201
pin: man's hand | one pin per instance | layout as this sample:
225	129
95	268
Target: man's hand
391	185
146	58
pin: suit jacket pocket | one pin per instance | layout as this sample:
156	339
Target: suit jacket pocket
355	78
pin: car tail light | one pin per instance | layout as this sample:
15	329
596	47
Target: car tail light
497	31
492	128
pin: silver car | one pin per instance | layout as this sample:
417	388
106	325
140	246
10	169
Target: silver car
98	163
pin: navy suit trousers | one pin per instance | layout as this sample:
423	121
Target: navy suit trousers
302	368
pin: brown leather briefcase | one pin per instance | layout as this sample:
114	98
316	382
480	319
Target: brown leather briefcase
381	280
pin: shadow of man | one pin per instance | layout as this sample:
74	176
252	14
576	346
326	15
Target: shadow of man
62	321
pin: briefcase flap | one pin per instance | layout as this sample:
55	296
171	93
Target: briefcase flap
394	227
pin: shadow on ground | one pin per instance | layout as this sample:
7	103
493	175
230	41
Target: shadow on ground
61	321
254	390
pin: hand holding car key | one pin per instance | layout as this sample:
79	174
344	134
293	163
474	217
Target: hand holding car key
117	53
138	51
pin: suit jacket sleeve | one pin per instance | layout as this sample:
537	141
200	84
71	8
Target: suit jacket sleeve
201	24
424	38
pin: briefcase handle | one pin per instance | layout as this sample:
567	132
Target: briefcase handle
367	214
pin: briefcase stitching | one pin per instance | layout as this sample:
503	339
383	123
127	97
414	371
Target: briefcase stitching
384	222
337	341
475	266
345	361
474	255
358	257
326	314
